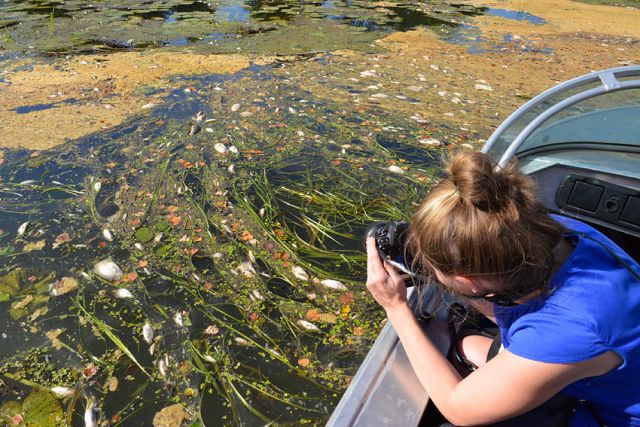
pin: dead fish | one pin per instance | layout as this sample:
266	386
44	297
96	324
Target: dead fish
147	333
197	120
178	319
23	228
162	368
241	341
333	284
256	295
107	269
235	107
246	269
90	412
307	326
123	293
108	236
220	147
396	169
61	392
299	273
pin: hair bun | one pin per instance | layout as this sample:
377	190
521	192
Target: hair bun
477	181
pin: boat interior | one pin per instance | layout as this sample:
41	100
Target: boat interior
580	143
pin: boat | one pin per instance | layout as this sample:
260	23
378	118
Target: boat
580	142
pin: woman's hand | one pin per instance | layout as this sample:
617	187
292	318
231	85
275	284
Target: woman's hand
383	281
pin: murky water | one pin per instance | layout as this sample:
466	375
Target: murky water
209	251
234	211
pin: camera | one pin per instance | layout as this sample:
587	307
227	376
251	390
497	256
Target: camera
391	238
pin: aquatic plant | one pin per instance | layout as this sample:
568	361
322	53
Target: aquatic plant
152	268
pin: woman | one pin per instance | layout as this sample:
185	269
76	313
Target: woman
565	297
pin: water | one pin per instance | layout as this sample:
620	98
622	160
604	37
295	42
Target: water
207	254
75	26
210	204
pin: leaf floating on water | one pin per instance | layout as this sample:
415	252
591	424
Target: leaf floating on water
212	330
112	383
107	269
171	416
41	408
22	303
62	238
333	284
303	362
53	336
35	246
130	277
89	371
144	234
346	298
63	286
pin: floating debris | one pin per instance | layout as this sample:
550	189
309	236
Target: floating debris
299	273
62	392
246	269
307	326
235	107
333	284
396	169
90	412
177	318
482	86
430	142
123	293
23	228
63	286
108	236
220	147
147	333
108	270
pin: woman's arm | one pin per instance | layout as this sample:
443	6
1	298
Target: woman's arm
506	386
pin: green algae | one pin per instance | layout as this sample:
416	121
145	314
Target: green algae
219	26
227	238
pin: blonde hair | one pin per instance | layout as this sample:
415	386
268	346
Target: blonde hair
483	221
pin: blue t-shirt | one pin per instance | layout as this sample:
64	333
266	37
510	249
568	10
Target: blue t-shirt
594	307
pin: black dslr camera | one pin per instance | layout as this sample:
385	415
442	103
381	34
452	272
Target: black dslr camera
391	238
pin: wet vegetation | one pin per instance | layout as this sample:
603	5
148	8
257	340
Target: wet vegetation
75	26
203	262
